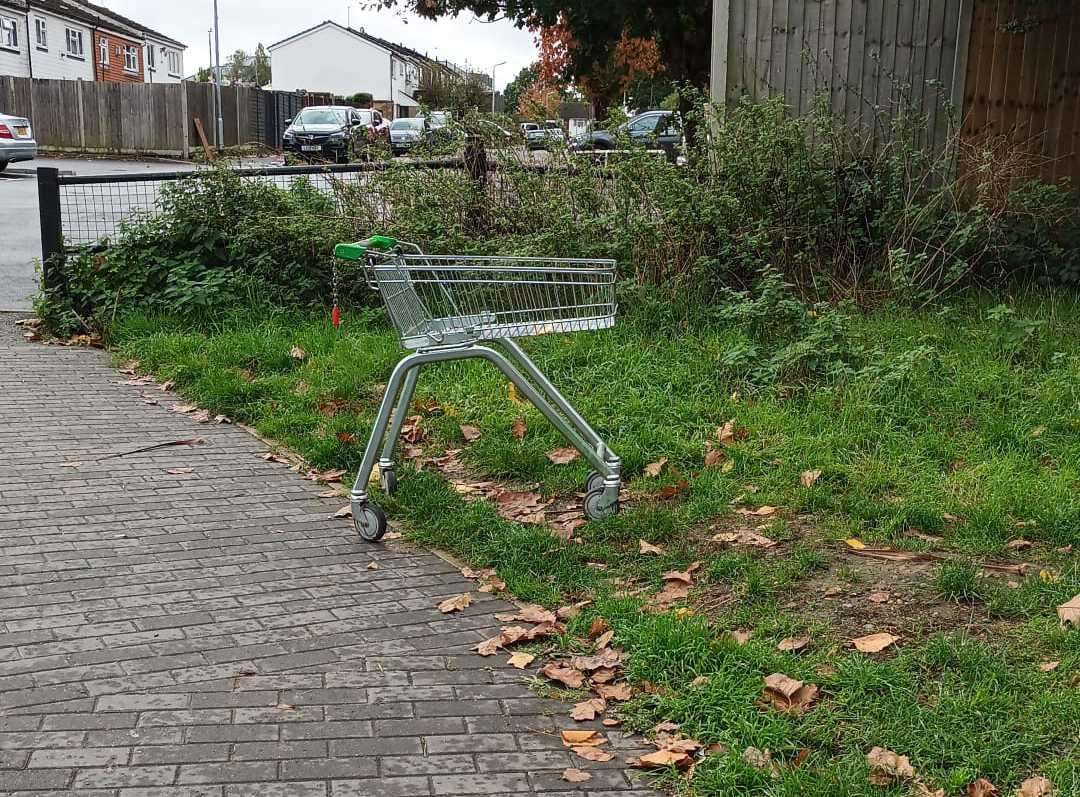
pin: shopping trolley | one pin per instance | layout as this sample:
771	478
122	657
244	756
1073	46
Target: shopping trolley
445	307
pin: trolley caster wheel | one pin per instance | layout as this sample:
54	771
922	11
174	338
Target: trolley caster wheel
388	481
597	507
369	521
594	482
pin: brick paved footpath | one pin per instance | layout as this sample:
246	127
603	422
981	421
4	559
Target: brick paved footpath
213	634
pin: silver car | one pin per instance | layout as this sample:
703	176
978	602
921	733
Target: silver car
407	133
16	140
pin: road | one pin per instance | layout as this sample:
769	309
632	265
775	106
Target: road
19	218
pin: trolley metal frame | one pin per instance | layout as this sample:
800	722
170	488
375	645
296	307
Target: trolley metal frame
399	271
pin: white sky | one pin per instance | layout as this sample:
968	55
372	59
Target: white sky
244	23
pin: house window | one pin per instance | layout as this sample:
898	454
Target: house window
131	58
173	59
9	33
74	41
41	33
151	57
103	51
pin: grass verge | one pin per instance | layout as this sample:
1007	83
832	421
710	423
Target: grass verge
954	431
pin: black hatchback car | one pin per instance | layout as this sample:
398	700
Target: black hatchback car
653	129
331	131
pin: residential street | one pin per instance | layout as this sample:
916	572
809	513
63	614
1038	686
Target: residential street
191	618
19	215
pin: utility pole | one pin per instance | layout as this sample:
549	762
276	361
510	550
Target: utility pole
493	85
217	81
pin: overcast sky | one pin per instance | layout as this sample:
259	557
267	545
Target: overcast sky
244	23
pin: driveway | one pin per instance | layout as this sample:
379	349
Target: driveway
19	211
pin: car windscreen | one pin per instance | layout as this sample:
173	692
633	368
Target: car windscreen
407	124
311	117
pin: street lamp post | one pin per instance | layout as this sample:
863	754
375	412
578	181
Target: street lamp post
217	81
501	63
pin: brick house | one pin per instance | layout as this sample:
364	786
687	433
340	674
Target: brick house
118	58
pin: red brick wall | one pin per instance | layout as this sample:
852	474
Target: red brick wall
114	71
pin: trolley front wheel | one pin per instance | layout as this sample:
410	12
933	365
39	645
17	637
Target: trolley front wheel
594	482
598	507
388	481
370	522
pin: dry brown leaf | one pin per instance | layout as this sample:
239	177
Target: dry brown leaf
744	537
808	478
573	738
729	434
297	353
575	776
674	490
610	722
981	788
563	456
470	433
672	593
855	543
604	639
649	549
564	674
616	692
759	759
519	428
713	457
489	647
684	576
373	566
662	759
588	709
874	643
741	636
1036	786
598	627
886	766
793	644
1049	666
492	584
179	471
1018	544
592	754
788	695
570	612
520	660
879	596
455	604
654	469
344	512
606	658
529	613
1069	612
761	511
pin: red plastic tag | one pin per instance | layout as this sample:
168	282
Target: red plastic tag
335	317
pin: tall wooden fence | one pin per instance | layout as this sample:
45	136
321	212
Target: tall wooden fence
1003	67
145	118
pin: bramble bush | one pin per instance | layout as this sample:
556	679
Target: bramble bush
832	213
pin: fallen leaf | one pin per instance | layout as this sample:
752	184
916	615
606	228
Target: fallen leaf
808	478
1018	545
572	738
179	471
674	490
513	395
604	659
519	428
455	604
729	434
793	644
744	537
887	766
575	776
588	709
713	457
344	512
649	549
520	660
616	692
762	511
183	409
661	759
592	754
470	433
741	636
564	674
981	788
611	723
685	576
878	597
604	639
874	643
70	464
598	627
1036	786
373	566
672	592
1069	612
759	759
857	544
788	695
1049	666
297	353
654	469
563	456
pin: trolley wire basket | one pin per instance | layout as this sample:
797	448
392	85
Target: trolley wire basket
446	307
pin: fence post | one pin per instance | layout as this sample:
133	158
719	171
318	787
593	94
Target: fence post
185	123
52	229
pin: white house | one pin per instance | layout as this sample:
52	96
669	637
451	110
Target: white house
14	41
61	44
164	59
344	61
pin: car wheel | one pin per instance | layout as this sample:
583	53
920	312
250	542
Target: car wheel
3	165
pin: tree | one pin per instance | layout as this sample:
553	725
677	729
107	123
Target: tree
517	87
681	28
540	102
238	68
260	67
204	75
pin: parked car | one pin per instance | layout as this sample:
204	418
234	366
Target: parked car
332	131
437	119
653	129
407	133
543	136
16	140
493	135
